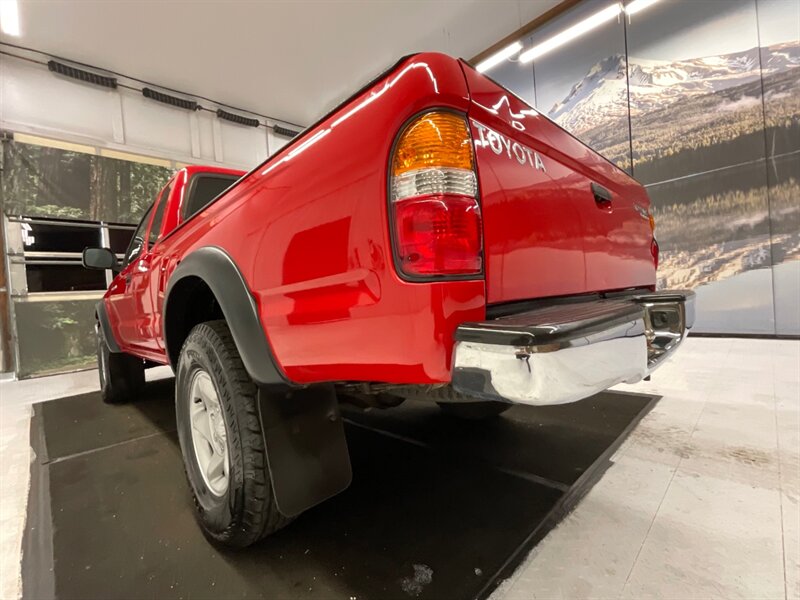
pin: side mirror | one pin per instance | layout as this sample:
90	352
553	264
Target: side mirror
99	258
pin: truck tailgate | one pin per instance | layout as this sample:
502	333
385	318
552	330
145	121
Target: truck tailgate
558	218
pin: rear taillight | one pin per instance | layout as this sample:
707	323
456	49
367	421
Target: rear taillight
436	219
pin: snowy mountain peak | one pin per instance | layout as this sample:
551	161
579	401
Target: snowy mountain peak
603	91
603	76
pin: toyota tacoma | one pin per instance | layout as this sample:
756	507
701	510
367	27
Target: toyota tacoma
432	237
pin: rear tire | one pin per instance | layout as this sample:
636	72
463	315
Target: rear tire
121	375
235	504
474	411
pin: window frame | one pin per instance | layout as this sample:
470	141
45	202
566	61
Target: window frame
160	212
145	221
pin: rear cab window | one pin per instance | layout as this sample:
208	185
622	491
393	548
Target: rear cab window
202	190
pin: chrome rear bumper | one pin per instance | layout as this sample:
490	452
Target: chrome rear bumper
565	352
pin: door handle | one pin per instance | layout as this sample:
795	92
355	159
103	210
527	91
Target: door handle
601	195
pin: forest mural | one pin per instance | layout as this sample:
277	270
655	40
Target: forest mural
51	182
700	102
57	334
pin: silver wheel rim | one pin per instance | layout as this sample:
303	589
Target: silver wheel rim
209	437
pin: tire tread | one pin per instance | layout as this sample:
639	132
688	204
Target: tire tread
259	515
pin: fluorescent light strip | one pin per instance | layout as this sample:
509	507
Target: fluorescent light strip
9	17
577	30
638	5
498	57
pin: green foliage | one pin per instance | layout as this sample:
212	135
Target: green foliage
54	336
41	181
52	210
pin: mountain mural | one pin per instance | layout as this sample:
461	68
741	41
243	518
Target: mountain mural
602	94
680	127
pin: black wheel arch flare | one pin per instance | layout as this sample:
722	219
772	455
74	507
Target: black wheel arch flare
218	271
105	327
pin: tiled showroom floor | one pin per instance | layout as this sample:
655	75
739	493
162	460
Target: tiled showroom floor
702	500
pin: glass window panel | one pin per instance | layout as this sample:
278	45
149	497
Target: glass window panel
695	88
53	182
55	336
583	86
63	278
779	37
119	239
57	237
515	76
784	199
714	233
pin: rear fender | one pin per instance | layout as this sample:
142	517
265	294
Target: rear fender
214	267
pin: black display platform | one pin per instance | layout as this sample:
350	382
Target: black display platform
438	508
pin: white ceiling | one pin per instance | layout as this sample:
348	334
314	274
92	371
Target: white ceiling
288	60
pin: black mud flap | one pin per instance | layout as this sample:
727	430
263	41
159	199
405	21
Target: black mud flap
306	448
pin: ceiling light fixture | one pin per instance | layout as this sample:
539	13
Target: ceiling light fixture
9	17
638	5
498	57
577	30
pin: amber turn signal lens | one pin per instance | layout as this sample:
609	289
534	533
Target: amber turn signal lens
435	139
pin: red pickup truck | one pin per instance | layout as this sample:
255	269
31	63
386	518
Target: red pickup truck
432	237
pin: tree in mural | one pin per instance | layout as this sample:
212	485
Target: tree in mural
103	182
123	197
145	183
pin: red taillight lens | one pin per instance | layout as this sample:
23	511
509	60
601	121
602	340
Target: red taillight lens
438	235
433	194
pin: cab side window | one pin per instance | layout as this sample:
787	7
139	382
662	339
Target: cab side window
137	241
158	218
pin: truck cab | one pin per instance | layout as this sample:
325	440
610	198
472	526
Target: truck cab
136	294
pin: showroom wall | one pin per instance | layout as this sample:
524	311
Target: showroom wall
80	165
700	101
35	100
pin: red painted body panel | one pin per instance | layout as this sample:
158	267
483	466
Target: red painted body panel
545	235
130	306
309	232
